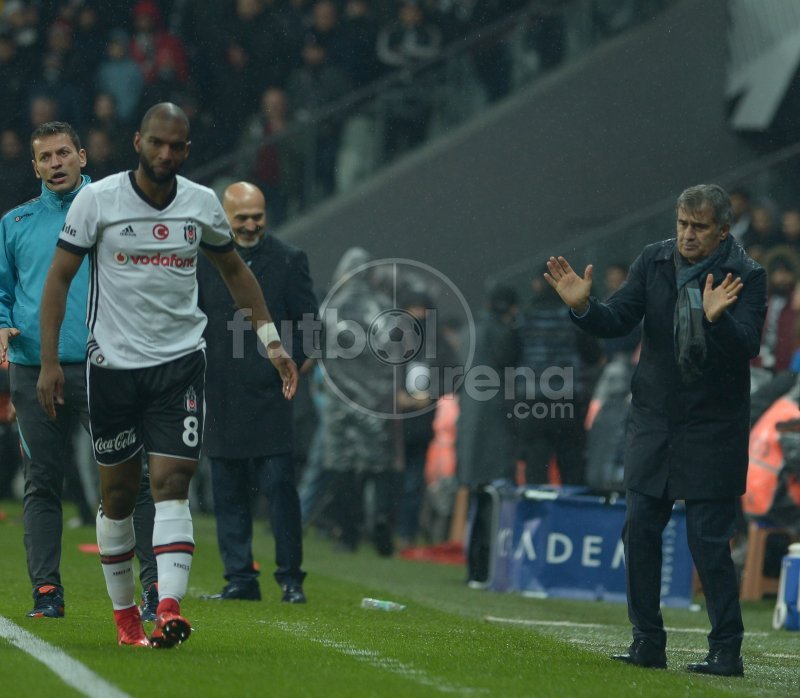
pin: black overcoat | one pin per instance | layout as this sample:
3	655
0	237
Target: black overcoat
685	441
246	414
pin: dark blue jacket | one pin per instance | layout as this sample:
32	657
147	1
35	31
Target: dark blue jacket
685	441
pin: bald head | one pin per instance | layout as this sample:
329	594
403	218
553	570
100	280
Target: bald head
246	210
243	194
164	111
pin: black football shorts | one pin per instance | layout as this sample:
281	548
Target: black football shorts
158	408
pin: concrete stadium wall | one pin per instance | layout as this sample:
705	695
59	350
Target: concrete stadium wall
634	122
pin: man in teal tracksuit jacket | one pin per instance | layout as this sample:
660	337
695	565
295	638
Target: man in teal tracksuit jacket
28	235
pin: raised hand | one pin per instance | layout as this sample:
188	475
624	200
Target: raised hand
717	300
573	289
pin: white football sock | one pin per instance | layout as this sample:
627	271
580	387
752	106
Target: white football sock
173	545
117	541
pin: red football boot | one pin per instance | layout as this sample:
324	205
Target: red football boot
130	630
171	629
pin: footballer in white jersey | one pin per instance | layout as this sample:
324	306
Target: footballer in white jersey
142	306
146	365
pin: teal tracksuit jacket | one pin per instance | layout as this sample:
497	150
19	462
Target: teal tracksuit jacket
28	236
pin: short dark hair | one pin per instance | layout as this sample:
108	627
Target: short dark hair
712	195
54	128
165	110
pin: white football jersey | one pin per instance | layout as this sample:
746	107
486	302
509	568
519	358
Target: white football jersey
142	306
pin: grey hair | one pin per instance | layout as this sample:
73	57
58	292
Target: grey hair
712	195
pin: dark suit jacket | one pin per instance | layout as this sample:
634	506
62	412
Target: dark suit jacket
685	441
246	415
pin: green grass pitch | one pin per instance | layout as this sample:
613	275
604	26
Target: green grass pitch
449	641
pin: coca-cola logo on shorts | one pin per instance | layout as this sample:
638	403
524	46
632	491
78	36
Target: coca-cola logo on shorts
115	443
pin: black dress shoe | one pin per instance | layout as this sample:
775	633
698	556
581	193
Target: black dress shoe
644	654
237	591
293	593
719	663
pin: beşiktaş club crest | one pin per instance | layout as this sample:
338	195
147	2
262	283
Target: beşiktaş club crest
190	232
190	400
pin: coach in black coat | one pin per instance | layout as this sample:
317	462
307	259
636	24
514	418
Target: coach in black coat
249	417
248	427
703	302
686	440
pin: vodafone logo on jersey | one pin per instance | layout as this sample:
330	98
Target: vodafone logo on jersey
155	260
160	231
163	260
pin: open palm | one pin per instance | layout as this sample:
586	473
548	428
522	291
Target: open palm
573	289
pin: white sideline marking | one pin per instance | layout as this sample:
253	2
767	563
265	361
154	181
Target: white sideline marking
374	659
570	624
69	670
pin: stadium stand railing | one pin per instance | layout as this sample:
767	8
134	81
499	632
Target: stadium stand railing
449	85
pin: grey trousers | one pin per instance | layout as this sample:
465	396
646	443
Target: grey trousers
45	451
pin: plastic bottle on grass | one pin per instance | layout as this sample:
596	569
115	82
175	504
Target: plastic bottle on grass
381	605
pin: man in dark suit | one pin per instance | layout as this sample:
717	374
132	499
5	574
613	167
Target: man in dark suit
703	301
248	429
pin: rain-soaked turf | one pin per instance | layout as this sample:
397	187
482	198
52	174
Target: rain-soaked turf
449	640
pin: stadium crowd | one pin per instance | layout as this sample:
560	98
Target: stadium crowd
252	74
96	65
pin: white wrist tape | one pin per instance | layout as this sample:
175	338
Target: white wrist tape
268	333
